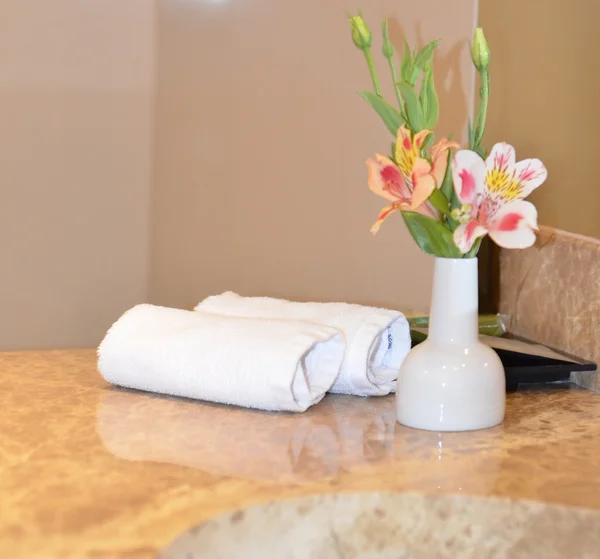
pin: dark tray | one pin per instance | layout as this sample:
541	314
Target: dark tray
528	363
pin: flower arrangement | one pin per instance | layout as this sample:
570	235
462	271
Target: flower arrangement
449	199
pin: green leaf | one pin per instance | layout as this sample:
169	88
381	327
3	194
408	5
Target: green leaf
447	186
424	58
413	106
475	248
403	112
428	143
390	116
415	75
431	236
429	101
439	201
452	223
423	97
406	66
454	203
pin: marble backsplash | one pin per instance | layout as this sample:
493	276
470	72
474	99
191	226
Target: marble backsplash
552	292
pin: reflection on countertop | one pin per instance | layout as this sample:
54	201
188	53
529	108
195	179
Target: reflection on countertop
91	470
247	444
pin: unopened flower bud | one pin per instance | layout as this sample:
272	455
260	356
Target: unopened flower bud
360	32
388	48
480	51
462	214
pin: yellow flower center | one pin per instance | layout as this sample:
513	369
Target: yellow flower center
406	162
503	184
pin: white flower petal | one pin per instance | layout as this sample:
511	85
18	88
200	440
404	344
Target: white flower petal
501	158
530	173
466	234
514	225
468	173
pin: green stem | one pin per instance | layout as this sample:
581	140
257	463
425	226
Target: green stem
395	82
372	71
484	94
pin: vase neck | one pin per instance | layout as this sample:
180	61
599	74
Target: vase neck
454	307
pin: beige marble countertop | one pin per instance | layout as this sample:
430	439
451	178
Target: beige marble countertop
88	470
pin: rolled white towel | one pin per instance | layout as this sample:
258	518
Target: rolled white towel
258	363
377	340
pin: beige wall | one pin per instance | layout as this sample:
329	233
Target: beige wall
259	175
545	91
76	89
260	182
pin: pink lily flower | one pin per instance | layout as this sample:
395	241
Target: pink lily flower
409	183
492	193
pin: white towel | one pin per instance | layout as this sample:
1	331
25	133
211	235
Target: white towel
377	340
258	363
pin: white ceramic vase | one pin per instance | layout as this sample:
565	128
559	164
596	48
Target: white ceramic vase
452	381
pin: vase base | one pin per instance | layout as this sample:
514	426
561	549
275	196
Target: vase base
451	388
495	418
